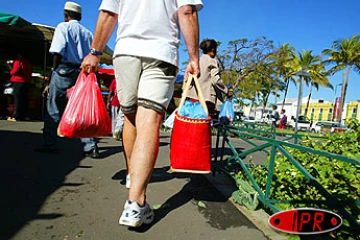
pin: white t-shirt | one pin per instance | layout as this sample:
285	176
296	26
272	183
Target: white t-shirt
148	28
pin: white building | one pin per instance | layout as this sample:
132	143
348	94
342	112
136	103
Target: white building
256	112
291	105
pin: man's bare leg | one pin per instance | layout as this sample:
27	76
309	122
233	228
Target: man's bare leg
144	152
129	135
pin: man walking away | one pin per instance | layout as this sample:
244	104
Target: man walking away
145	63
275	116
70	44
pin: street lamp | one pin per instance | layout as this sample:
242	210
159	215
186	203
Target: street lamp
301	74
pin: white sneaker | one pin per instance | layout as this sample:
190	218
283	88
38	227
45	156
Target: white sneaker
134	215
117	135
127	181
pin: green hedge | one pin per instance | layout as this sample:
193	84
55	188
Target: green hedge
341	179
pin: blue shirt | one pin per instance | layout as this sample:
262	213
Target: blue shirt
72	41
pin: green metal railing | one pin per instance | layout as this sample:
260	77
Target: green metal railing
267	138
273	131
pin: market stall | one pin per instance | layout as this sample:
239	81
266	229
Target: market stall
33	41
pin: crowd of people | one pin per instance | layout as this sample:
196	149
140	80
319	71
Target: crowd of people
146	65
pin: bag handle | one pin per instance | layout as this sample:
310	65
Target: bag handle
199	92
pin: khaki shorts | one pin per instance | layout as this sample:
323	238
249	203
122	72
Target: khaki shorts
142	81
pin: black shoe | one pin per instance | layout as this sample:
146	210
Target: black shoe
46	149
94	153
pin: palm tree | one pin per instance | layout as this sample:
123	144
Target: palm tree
306	61
318	77
345	54
267	83
281	58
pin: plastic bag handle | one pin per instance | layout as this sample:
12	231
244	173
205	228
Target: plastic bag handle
199	92
83	77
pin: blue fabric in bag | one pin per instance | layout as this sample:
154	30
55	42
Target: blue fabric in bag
227	111
192	110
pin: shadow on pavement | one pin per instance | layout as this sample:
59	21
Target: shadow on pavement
28	178
227	151
161	174
219	215
108	151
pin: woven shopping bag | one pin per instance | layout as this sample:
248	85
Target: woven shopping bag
190	145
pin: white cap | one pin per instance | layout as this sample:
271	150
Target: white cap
72	6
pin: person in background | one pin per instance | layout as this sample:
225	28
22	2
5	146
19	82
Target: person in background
230	94
275	116
70	44
117	116
283	120
210	81
145	63
21	79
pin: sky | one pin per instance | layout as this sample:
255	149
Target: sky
305	24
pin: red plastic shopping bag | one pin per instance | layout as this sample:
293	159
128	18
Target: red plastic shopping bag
85	114
190	146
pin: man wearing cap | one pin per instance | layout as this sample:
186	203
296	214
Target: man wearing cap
145	63
71	43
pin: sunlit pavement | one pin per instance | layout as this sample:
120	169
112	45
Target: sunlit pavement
67	196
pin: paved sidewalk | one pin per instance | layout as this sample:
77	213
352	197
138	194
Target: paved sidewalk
66	196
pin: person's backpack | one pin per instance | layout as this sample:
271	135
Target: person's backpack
284	120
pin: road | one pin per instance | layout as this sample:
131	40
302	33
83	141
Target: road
66	196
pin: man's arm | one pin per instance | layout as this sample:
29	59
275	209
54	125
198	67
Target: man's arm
105	26
189	24
56	60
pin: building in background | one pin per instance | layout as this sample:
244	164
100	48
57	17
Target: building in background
320	110
351	111
291	106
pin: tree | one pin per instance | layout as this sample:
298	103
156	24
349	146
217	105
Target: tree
281	58
307	62
318	77
240	60
345	54
268	82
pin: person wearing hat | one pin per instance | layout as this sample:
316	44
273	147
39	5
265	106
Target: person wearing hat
70	44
